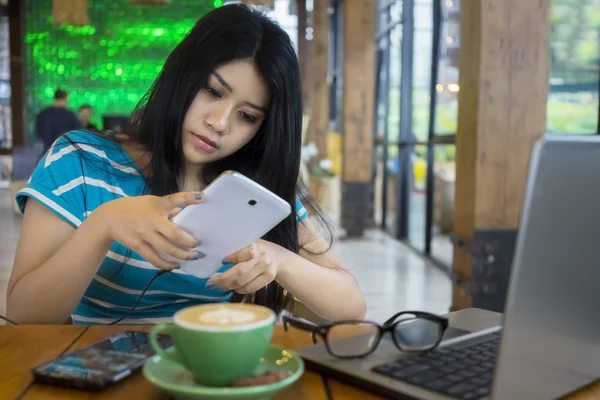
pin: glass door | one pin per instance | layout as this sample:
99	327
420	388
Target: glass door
417	91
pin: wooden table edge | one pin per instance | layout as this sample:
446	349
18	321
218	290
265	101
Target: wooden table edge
31	381
324	380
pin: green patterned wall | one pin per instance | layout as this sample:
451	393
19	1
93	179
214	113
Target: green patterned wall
109	63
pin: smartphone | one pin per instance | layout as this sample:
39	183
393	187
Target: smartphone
236	212
100	364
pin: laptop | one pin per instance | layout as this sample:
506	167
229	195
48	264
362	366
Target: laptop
547	343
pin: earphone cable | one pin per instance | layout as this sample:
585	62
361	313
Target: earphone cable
128	313
10	321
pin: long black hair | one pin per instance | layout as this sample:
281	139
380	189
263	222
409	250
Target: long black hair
271	158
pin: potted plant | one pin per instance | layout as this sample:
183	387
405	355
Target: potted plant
321	175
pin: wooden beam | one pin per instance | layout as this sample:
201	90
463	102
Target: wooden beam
16	26
359	21
318	87
504	72
303	51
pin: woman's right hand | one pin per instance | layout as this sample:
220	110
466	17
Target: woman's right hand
143	224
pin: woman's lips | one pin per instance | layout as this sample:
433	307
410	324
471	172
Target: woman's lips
204	143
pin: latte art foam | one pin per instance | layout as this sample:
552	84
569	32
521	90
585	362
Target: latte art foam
226	316
229	316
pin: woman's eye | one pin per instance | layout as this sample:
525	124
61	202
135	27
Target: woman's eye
248	117
213	92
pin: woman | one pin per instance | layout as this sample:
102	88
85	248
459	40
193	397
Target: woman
98	207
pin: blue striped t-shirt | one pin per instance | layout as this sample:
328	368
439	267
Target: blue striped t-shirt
81	171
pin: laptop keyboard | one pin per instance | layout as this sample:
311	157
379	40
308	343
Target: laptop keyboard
463	373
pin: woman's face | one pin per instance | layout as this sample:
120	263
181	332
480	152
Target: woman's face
226	114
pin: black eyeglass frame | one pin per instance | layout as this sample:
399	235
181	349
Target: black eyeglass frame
323	330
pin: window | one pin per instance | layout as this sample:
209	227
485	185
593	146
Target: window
575	59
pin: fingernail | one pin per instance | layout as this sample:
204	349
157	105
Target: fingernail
198	196
210	283
197	257
225	261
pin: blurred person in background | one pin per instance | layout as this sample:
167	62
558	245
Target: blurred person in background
85	114
55	120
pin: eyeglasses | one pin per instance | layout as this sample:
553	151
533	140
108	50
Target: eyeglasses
411	332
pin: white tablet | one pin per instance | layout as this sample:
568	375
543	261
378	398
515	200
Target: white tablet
236	212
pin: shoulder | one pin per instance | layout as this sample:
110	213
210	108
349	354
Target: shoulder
73	115
92	153
45	111
87	142
73	146
81	136
76	174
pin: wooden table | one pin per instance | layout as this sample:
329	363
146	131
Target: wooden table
26	346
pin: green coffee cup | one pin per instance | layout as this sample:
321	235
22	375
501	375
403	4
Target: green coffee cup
218	343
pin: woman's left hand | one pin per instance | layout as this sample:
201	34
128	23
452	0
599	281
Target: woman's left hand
254	268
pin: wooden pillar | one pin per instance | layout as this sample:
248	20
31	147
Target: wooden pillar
504	72
359	20
16	26
303	51
318	86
